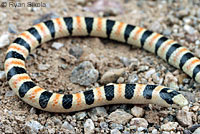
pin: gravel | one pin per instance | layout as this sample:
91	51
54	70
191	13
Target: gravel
120	116
33	127
84	74
89	126
57	45
4	40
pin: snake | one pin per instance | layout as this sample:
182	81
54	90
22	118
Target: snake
167	49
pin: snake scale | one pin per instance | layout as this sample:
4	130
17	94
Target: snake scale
169	50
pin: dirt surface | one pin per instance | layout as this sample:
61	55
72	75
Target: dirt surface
52	68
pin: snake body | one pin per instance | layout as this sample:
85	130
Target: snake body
169	50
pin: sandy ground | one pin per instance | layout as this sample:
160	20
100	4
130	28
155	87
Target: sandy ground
160	16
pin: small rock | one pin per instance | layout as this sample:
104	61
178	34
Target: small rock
12	28
184	118
157	79
167	32
143	68
32	127
10	93
89	126
189	29
103	125
139	122
170	80
68	127
4	40
99	111
197	131
33	110
137	111
80	115
63	66
140	129
82	2
115	131
154	131
2	15
149	73
125	61
57	45
156	26
43	67
197	42
57	121
2	75
84	74
194	127
120	116
170	126
112	75
117	126
76	51
133	78
165	132
120	80
195	108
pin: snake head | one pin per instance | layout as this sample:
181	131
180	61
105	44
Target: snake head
179	101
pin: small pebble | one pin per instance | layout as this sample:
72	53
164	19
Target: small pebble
57	45
81	115
189	29
137	111
89	126
33	110
184	118
194	127
154	131
149	73
125	61
167	32
139	122
10	93
57	121
12	28
76	51
63	66
43	67
120	116
115	131
120	80
170	126
82	2
133	78
197	131
112	75
117	126
4	40
99	111
68	127
2	75
84	74
32	127
143	68
103	125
